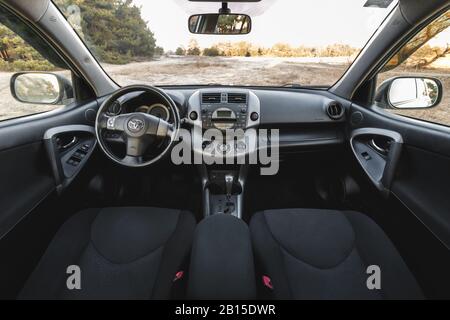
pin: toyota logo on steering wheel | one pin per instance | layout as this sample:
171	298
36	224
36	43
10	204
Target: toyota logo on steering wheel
135	125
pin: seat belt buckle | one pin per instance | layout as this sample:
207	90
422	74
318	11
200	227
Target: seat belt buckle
178	276
267	282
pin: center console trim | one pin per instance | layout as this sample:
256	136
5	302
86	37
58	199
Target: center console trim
206	195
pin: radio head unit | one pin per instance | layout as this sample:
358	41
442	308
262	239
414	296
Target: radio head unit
224	114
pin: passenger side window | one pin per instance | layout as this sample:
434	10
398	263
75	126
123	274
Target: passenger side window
416	81
33	78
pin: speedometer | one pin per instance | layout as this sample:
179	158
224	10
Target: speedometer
143	109
159	110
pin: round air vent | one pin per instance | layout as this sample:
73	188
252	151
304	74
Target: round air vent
356	118
335	110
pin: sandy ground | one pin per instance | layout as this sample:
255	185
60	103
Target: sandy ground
231	71
234	71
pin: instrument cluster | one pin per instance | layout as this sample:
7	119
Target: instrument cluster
157	109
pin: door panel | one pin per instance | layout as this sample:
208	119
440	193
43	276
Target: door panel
25	168
422	176
26	180
423	185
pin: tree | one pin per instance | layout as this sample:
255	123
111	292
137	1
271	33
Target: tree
180	51
193	48
438	53
429	32
16	55
211	52
193	52
113	29
159	51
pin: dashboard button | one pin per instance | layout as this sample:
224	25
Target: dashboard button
241	146
223	148
254	116
193	116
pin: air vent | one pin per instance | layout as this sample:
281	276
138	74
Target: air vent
211	98
237	98
335	110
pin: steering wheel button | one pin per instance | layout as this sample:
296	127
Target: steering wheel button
110	123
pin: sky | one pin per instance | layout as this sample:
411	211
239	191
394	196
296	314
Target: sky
296	22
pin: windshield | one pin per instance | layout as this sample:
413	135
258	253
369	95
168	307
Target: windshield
291	43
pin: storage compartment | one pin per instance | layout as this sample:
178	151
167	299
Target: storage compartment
222	265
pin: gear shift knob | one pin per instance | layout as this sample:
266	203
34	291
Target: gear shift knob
229	184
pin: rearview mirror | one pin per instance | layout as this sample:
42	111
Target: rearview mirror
219	23
40	88
410	93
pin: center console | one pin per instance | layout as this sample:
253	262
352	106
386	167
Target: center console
225	111
221	264
224	122
223	189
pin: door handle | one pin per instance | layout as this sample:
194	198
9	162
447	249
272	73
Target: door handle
373	144
70	143
378	158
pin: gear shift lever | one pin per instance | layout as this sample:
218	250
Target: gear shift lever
229	184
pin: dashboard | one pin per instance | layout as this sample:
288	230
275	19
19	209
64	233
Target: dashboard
305	118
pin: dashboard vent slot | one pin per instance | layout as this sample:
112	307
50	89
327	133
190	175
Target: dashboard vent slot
237	98
211	98
335	110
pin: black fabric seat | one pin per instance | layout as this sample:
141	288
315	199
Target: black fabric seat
324	254
123	253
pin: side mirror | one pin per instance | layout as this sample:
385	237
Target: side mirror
40	88
220	23
409	93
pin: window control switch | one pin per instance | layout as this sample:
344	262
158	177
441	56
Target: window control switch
366	156
73	161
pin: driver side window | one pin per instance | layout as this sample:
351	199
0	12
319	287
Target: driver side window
33	78
416	81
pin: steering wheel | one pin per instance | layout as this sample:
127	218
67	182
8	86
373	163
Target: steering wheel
139	130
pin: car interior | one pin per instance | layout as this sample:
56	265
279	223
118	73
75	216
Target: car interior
94	184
